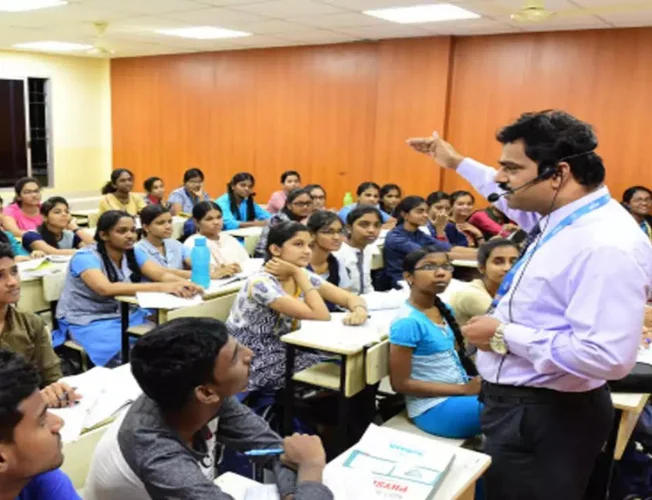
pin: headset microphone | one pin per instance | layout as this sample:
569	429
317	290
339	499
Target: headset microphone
494	197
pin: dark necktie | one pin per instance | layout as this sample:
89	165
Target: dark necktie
531	238
361	271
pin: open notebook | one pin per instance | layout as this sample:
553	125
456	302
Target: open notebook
105	393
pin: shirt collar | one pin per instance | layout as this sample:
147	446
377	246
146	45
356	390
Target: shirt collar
560	214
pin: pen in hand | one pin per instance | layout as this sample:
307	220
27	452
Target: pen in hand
263	453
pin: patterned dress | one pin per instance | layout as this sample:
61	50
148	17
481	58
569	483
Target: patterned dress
254	324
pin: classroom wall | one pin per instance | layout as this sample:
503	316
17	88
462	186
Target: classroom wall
336	113
80	110
340	113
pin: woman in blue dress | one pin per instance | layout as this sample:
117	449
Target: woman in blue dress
441	386
239	206
88	311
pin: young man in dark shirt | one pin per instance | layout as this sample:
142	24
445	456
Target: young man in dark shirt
30	444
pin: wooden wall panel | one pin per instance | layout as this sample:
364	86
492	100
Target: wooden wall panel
338	113
602	77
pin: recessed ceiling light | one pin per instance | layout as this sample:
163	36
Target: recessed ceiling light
53	46
423	13
25	5
203	33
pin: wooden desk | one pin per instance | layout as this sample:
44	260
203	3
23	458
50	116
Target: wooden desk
346	378
163	315
38	291
459	483
630	406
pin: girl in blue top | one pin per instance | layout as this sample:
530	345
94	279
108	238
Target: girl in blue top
368	194
239	208
88	310
441	387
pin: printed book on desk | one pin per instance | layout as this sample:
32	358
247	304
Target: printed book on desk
400	466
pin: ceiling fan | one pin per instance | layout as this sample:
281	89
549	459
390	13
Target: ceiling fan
100	46
535	11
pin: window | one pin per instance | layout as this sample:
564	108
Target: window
25	131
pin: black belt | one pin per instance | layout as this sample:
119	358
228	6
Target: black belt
521	394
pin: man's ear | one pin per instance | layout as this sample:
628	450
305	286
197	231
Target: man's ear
4	459
206	395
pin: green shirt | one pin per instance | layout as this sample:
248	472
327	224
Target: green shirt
26	334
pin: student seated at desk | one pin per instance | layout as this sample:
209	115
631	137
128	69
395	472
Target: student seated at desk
390	196
368	194
424	365
118	196
327	232
298	207
274	300
459	231
492	222
495	258
168	444
6	238
59	233
290	180
439	210
155	191
406	237
184	199
239	206
362	228
24	214
638	201
227	254
169	253
26	334
88	310
30	443
318	195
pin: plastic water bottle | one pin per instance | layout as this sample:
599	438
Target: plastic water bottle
348	199
200	258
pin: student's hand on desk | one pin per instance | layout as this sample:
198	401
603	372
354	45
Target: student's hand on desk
281	268
302	450
356	317
181	289
60	395
479	330
438	149
37	254
225	271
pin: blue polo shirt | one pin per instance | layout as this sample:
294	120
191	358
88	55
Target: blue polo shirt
399	243
53	485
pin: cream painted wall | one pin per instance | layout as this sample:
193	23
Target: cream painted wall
81	115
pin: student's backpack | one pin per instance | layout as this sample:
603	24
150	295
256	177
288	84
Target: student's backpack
632	479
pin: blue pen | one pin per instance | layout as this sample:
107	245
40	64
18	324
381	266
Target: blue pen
262	453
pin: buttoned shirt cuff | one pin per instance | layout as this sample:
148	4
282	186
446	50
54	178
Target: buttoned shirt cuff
518	339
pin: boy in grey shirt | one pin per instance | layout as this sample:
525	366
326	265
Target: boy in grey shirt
167	444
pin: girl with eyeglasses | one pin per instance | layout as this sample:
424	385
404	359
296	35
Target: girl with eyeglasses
426	358
298	207
328	232
24	214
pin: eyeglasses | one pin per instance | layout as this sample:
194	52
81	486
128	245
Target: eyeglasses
436	267
302	204
331	232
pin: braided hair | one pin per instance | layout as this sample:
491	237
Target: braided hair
409	264
107	221
233	203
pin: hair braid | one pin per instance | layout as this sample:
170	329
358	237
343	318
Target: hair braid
467	362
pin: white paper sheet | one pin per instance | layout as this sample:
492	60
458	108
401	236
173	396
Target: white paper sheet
158	300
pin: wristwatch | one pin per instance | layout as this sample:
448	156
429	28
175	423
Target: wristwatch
497	342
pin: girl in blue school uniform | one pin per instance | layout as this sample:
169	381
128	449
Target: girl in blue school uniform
88	311
427	362
238	205
158	245
183	199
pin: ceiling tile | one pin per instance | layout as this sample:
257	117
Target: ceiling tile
360	5
392	30
288	8
272	26
318	36
469	26
574	23
640	18
153	7
346	19
215	17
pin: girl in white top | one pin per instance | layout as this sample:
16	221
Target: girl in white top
363	226
226	251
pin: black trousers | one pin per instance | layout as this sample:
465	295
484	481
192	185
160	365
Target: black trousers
543	443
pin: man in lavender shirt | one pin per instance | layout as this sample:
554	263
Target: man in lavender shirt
573	315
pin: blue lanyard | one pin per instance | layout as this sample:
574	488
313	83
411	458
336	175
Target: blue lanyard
580	212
